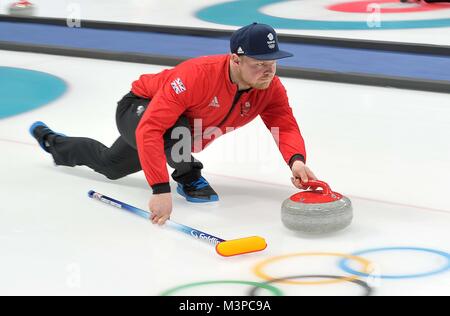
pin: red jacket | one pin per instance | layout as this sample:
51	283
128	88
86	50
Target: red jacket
201	88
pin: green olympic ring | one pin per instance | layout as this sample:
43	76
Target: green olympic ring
268	287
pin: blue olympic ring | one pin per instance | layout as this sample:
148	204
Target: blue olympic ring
343	264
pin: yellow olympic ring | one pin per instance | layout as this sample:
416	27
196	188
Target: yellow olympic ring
258	269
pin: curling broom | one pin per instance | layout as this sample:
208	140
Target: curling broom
226	248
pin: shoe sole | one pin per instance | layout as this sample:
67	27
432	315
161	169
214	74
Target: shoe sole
214	198
37	124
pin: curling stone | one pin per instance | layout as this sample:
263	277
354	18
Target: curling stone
317	211
21	8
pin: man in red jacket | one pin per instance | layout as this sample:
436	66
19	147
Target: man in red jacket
168	115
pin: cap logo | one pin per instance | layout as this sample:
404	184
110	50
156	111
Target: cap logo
240	50
271	41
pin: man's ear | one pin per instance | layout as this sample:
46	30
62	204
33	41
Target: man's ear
235	59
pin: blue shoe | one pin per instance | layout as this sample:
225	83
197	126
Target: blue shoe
198	191
40	132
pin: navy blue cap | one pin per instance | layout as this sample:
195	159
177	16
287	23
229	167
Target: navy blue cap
257	41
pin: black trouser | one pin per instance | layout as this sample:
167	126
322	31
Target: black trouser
122	159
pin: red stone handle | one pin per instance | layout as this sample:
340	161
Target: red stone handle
314	184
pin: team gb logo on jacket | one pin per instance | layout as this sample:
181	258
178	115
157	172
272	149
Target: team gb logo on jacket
178	86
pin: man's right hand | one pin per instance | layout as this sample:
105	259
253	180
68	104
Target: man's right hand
161	207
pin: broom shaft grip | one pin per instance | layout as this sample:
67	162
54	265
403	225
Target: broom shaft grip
195	233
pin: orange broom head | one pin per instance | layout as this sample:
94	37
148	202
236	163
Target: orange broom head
241	246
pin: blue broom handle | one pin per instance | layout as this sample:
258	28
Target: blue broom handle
195	233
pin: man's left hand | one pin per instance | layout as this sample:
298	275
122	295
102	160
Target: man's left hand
301	174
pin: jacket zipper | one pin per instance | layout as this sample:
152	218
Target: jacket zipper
231	110
235	101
